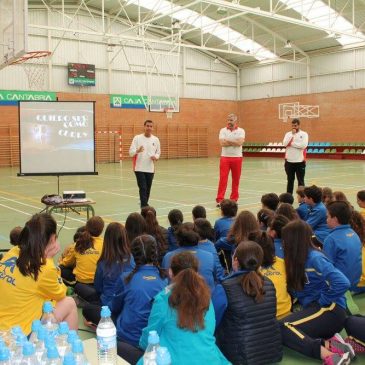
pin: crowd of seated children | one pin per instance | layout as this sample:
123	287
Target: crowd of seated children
30	277
286	198
176	219
303	208
360	197
183	316
245	305
317	212
199	212
270	201
135	225
83	256
188	240
264	216
320	289
132	302
115	259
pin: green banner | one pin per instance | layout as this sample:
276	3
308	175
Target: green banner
11	97
128	101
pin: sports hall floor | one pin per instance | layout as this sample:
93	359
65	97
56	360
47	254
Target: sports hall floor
180	184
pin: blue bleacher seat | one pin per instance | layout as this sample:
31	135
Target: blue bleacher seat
310	150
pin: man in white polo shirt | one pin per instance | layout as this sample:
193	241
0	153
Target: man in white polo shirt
230	138
296	142
145	150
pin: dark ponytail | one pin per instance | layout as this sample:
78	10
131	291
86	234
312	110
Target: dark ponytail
249	256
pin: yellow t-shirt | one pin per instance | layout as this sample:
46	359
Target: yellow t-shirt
362	212
22	297
85	264
277	274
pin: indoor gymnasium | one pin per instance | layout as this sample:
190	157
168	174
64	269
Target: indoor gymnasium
182	182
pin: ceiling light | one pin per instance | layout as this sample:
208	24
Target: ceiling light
334	35
176	24
217	61
288	44
222	10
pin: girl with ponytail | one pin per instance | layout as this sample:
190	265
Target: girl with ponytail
134	294
245	305
29	277
183	316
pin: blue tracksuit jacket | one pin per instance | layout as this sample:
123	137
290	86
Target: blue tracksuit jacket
317	219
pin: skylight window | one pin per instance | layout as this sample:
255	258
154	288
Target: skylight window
207	25
319	13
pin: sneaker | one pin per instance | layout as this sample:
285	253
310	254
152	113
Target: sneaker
337	345
358	347
337	359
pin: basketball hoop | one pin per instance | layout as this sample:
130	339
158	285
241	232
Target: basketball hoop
33	65
169	112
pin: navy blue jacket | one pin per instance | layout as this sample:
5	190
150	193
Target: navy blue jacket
106	278
171	239
132	302
343	247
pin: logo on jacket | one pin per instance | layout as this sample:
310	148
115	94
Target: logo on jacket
149	277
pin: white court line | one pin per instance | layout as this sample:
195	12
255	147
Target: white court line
16	210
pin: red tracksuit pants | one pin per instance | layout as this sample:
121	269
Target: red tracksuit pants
233	164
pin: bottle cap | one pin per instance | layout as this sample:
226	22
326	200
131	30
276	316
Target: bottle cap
77	347
49	341
72	336
105	311
163	356
35	325
52	352
47	307
63	328
4	353
20	339
28	349
153	338
15	330
69	359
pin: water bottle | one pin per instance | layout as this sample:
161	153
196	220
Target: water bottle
69	359
106	338
78	351
163	356
29	356
53	358
72	336
35	326
149	357
61	338
49	321
4	356
40	346
49	342
17	354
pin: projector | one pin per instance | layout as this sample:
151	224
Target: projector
73	194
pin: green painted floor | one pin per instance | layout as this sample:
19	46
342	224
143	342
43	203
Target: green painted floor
181	184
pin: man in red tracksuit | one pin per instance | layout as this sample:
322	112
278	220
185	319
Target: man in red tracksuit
231	139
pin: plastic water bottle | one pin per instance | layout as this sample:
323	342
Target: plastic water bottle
4	356
40	346
163	356
53	358
78	351
61	338
49	342
35	326
72	336
69	359
49	320
106	334
149	357
17	355
29	356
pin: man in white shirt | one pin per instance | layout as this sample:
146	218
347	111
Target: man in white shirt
145	150
230	138
296	142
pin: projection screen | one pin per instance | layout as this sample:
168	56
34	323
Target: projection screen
56	138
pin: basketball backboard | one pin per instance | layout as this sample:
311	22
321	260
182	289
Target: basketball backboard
13	30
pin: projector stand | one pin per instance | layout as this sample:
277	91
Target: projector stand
58	184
